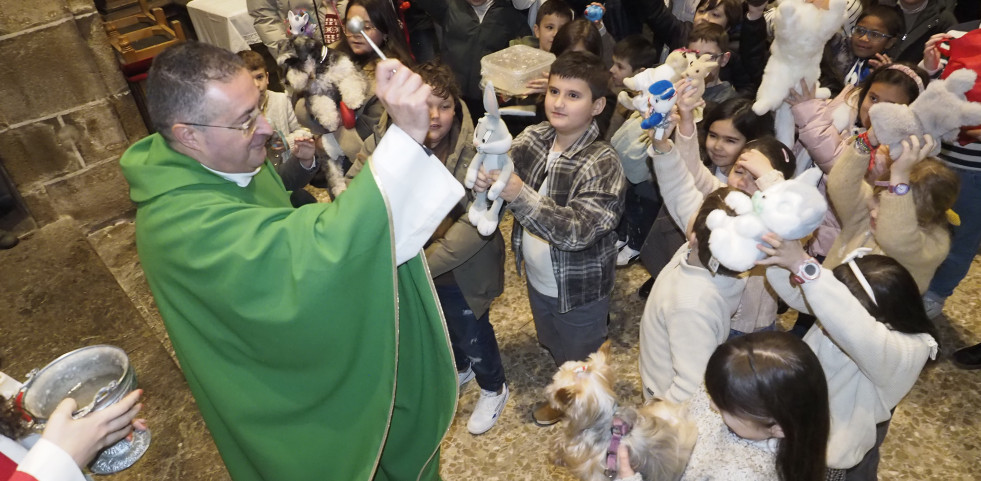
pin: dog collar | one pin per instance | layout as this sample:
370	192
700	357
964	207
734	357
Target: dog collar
619	429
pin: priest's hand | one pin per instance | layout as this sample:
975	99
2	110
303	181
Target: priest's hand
404	95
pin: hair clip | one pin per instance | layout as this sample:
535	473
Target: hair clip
850	260
953	218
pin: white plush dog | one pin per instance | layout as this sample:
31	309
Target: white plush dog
800	31
941	110
671	70
791	209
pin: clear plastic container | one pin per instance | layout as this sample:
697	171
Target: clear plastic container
510	69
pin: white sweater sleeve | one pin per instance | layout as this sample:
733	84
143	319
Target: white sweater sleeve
677	185
48	462
779	279
417	187
882	354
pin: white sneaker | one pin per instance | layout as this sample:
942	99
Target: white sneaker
620	243
487	410
626	256
463	377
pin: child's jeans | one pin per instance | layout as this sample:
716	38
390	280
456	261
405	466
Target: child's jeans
640	208
472	338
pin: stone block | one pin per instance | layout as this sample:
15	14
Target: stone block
35	153
81	7
100	134
129	117
39	205
46	72
94	196
17	15
94	34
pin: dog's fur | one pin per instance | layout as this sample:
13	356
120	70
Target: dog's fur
660	441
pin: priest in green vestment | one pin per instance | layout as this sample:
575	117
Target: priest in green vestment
311	338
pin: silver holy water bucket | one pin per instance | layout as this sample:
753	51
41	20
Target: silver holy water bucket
96	377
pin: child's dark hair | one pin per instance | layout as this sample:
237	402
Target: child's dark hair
714	200
890	17
558	7
934	188
439	76
253	61
775	379
892	76
779	155
381	14
898	302
710	32
635	50
583	66
740	111
575	32
733	9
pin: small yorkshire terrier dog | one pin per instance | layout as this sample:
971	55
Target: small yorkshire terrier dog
659	435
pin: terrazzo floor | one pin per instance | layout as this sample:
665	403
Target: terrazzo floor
934	435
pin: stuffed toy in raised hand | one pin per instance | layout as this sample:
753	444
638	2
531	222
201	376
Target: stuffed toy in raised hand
671	70
697	70
299	23
331	84
791	209
492	140
800	31
940	110
964	52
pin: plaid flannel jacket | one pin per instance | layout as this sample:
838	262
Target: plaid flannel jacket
578	217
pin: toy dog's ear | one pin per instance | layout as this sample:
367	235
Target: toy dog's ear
490	100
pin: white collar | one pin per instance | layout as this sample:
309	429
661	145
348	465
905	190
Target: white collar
241	179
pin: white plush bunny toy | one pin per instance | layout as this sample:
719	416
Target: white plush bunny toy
791	209
493	141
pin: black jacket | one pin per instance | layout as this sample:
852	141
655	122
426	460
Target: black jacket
466	40
937	17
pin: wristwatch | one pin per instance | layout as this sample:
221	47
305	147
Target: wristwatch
808	270
899	189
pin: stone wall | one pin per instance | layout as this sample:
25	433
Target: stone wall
66	113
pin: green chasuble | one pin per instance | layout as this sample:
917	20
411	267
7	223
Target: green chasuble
309	354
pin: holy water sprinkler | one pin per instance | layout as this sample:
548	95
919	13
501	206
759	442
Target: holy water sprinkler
356	25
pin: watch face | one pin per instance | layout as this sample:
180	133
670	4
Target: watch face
899	189
811	269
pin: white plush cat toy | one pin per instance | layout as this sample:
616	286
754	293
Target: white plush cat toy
492	141
791	209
